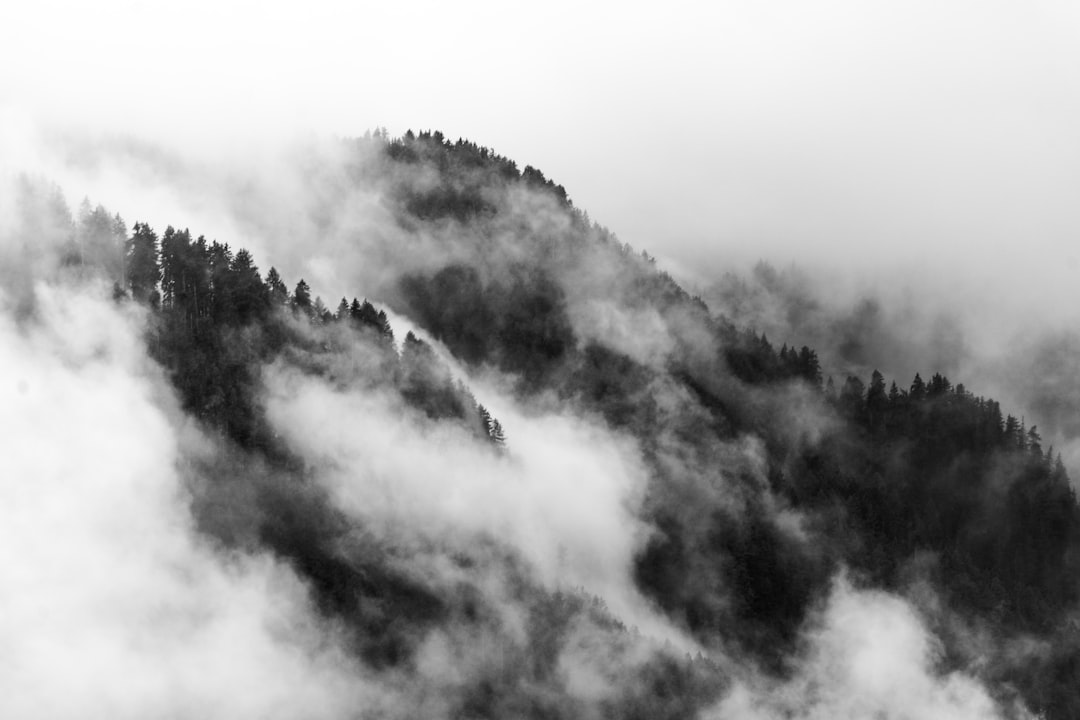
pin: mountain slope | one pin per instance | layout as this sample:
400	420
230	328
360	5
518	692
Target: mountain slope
767	498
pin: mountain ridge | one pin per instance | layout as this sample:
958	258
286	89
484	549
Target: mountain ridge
765	480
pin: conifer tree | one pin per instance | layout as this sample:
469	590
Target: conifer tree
497	435
142	263
809	366
853	398
279	293
1059	468
301	299
250	295
876	400
485	418
1034	442
1011	432
918	388
119	231
385	330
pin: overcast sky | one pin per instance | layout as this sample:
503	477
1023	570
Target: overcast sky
860	135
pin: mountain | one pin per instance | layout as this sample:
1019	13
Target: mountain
572	489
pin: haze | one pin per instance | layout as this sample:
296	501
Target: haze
922	149
909	170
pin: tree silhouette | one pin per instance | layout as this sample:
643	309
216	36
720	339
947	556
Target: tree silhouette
496	433
142	264
279	293
301	299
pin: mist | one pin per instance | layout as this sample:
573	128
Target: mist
115	604
891	187
914	152
560	510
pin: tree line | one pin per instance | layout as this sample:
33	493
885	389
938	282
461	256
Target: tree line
892	475
218	319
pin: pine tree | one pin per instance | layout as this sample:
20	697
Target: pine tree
100	240
1034	441
485	419
876	400
142	264
996	423
119	232
369	316
222	287
918	388
170	266
250	295
279	293
385	330
301	299
939	385
1059	469
1010	432
809	367
853	398
497	435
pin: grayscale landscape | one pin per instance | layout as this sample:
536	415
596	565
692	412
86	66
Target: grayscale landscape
711	361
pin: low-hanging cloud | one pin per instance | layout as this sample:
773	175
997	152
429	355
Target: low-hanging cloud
867	654
113	604
566	496
569	495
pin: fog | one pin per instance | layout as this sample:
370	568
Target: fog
869	656
115	605
123	606
908	174
919	148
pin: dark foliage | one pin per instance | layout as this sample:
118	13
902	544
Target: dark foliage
889	477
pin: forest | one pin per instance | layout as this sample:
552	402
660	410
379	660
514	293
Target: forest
767	475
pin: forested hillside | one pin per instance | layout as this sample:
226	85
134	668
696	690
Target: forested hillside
766	476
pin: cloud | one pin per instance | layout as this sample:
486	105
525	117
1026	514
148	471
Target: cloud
113	604
565	497
841	165
868	654
903	324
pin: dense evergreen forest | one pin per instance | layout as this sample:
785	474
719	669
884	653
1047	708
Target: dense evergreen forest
896	482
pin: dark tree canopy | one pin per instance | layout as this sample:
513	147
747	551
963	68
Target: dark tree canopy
301	298
888	480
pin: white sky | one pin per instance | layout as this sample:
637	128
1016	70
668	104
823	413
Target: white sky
939	136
